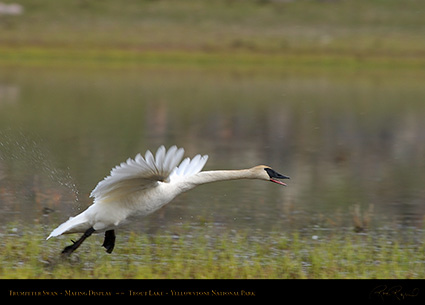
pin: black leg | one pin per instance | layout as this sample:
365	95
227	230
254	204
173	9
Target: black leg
109	241
68	250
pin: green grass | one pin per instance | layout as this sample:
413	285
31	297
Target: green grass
220	32
175	59
345	26
197	253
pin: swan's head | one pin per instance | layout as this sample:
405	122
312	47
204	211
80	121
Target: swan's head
265	172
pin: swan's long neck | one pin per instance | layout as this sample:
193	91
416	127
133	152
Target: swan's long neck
219	175
222	175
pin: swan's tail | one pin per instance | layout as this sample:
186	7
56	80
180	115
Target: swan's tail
75	224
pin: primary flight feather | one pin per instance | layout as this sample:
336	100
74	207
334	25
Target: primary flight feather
142	185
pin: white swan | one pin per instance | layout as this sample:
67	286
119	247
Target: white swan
142	186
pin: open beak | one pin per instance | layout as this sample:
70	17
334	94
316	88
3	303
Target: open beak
279	182
275	175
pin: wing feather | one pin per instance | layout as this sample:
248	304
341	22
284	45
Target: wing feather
138	174
190	167
150	160
173	157
159	158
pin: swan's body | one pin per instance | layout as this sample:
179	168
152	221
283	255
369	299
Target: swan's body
144	185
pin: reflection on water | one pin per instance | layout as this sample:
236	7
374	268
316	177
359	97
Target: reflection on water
353	143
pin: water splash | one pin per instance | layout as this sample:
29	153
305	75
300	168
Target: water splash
32	174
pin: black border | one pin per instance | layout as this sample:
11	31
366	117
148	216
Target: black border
364	291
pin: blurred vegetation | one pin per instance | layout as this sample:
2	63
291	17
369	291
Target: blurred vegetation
355	28
201	254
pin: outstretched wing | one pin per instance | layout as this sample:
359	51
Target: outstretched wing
138	174
189	167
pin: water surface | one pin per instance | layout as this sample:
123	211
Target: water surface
353	143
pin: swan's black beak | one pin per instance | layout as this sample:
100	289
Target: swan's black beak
275	175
